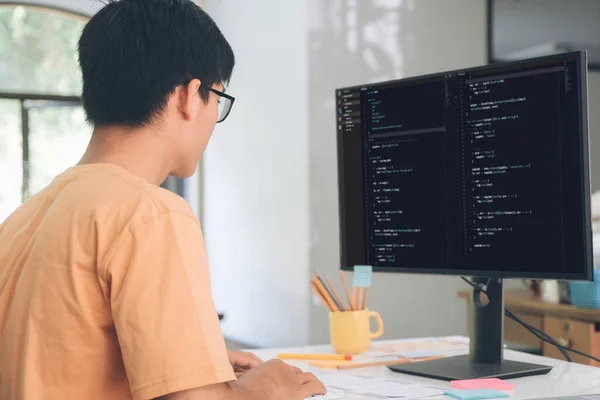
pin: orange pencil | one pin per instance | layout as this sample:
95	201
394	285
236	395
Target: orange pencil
356	364
321	289
364	299
374	364
318	294
359	300
355	298
334	292
328	357
343	279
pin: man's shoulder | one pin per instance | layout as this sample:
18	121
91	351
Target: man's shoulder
168	201
114	191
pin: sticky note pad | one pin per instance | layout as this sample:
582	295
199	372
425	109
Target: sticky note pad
423	354
490	383
476	394
363	275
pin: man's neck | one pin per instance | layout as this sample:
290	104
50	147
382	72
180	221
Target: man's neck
141	152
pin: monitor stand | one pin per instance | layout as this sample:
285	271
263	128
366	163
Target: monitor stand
485	358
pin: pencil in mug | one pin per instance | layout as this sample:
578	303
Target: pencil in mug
364	298
362	279
359	299
330	294
345	285
335	294
318	294
323	292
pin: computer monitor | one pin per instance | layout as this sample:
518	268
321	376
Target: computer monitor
480	172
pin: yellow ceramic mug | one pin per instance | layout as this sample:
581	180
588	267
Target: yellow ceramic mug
350	331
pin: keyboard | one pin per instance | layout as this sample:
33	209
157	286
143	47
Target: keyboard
332	394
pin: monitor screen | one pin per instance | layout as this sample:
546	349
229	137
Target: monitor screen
480	172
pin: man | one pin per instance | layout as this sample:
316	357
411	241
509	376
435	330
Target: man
104	282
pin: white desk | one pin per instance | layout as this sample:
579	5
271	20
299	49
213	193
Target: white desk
565	378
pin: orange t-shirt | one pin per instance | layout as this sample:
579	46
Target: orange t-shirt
105	293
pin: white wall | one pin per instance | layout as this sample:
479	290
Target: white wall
524	24
256	216
353	43
264	233
521	24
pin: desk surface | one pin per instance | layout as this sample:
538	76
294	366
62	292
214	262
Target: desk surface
525	301
564	379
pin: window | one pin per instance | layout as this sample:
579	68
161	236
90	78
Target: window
42	124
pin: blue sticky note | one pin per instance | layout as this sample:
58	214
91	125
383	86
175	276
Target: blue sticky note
363	275
476	394
420	354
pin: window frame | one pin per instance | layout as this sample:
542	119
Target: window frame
25	98
183	187
49	7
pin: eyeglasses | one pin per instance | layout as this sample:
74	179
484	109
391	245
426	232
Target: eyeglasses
225	102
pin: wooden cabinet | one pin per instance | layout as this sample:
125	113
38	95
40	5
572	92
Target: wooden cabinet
576	328
515	333
581	336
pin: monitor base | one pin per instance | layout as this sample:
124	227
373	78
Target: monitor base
461	367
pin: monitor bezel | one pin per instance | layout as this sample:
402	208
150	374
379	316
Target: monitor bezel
588	273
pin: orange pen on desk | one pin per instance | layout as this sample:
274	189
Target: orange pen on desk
324	357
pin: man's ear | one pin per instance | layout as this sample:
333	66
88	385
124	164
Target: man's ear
189	101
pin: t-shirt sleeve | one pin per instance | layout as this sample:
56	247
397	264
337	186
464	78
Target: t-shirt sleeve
162	307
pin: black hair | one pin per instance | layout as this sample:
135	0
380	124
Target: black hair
134	53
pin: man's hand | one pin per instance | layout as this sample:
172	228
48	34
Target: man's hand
242	362
273	380
276	380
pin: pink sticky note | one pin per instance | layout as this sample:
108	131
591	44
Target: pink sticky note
490	383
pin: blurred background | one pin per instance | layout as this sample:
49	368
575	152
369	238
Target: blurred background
266	190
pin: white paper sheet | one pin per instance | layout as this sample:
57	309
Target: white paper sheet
332	394
378	387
